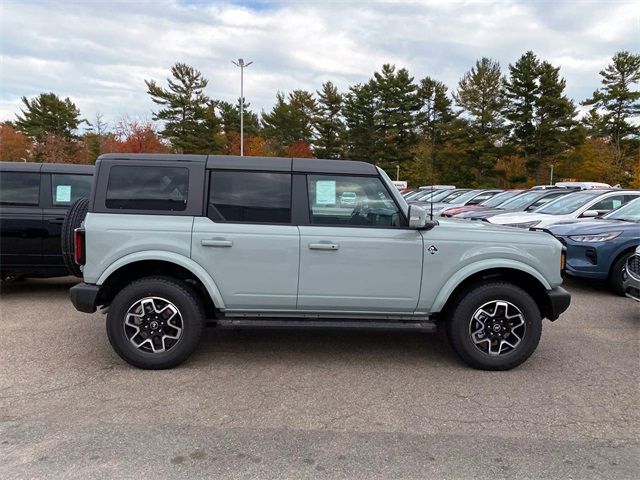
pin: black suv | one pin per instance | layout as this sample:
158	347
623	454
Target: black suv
34	200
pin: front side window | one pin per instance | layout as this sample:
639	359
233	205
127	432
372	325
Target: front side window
610	203
19	189
147	188
66	189
351	201
250	197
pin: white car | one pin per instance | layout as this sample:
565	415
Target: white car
570	207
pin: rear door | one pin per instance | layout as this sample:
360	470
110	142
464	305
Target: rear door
357	256
20	221
247	242
60	191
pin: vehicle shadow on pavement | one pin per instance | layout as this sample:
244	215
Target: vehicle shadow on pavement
37	286
314	346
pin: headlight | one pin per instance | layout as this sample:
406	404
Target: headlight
600	237
523	225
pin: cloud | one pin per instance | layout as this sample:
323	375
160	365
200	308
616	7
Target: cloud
99	53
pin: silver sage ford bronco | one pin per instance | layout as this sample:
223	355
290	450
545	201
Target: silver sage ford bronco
172	242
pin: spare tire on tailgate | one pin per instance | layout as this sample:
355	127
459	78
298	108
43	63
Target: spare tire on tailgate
75	217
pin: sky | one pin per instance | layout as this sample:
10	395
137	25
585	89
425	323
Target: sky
99	53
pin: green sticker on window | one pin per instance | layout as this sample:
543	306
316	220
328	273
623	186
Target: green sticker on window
63	193
326	192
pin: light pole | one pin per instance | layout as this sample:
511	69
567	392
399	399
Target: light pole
240	63
397	172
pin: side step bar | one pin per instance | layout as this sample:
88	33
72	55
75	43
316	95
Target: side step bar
419	326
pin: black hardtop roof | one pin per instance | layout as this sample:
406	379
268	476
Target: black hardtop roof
276	164
46	167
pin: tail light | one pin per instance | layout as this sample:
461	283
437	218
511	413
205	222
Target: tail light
79	246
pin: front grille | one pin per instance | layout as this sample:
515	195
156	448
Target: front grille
633	265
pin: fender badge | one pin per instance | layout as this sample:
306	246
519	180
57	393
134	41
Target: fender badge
432	249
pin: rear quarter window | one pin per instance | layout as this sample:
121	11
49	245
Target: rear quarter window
19	189
147	188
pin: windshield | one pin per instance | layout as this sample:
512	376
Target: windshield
498	199
629	212
437	195
522	200
568	203
462	198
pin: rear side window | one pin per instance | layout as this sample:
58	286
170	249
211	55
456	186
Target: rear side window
19	189
147	188
66	189
251	197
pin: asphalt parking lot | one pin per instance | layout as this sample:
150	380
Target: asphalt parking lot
299	404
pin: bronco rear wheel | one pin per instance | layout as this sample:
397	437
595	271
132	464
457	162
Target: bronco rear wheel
495	326
155	323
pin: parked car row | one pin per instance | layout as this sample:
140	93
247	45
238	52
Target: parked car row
598	225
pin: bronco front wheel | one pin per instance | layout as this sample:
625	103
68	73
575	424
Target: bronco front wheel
495	326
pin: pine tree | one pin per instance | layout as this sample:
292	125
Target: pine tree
397	104
618	101
433	121
230	118
360	105
47	114
556	128
290	121
480	94
189	121
521	91
328	123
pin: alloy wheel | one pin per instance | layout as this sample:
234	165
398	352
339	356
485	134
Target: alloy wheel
497	327
153	324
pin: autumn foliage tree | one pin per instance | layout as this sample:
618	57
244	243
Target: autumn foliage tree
133	136
14	145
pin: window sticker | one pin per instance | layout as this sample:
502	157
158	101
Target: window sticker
63	193
325	192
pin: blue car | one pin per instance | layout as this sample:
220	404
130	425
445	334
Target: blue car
599	248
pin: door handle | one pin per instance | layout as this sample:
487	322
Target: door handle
324	246
58	221
217	242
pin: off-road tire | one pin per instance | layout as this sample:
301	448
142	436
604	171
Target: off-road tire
179	294
458	325
75	216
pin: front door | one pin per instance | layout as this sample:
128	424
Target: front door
247	243
356	254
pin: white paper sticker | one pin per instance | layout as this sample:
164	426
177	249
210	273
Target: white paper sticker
63	193
325	192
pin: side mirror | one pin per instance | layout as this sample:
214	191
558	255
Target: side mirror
590	214
417	217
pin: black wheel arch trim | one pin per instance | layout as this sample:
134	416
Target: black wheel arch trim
558	302
84	297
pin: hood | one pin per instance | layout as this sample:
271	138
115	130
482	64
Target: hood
518	217
592	227
465	229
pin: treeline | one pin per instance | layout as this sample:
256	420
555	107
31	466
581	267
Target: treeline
496	128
